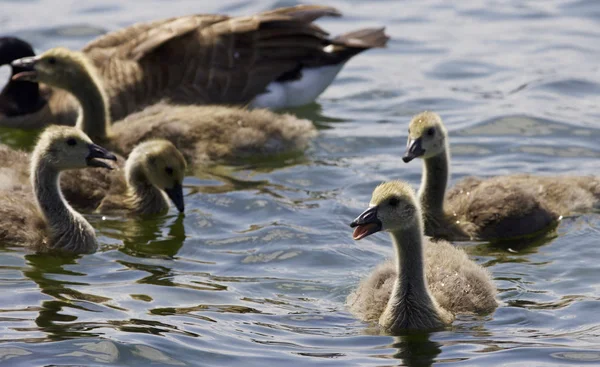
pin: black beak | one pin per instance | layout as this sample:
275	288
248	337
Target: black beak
97	152
23	69
366	224
176	195
414	149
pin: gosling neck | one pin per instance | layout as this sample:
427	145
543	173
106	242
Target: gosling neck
68	230
433	185
94	117
409	262
143	197
410	306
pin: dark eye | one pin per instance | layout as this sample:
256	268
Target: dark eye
394	202
51	60
71	142
169	171
430	131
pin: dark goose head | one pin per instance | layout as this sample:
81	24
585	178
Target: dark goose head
18	97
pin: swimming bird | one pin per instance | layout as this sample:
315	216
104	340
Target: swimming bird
498	208
38	216
428	283
275	59
153	172
202	133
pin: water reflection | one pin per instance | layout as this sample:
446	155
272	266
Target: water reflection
53	317
416	349
156	237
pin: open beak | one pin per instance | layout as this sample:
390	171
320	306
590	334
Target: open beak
176	195
366	224
25	67
414	149
97	152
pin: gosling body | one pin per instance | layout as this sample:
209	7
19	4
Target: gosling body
37	216
497	208
427	283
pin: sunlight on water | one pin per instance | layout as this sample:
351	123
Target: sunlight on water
257	271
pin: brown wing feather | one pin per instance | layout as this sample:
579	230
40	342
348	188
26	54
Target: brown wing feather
205	59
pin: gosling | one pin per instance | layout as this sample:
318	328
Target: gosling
204	134
42	220
428	282
138	188
154	172
497	208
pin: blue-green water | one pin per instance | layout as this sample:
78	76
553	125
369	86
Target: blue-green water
257	271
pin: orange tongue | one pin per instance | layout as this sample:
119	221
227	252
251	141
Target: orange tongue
24	75
363	230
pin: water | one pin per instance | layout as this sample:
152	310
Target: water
257	271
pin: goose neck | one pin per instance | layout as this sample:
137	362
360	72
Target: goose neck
435	179
68	230
143	195
409	262
94	117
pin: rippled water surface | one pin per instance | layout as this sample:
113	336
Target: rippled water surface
258	270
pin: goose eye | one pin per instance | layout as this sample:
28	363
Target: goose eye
169	171
394	202
51	60
430	131
71	142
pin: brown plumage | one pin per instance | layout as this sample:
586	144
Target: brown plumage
153	172
203	59
202	133
428	282
497	208
36	215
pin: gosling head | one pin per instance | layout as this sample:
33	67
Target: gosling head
58	66
426	137
164	166
65	147
392	208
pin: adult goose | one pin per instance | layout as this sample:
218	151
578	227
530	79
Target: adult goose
427	283
273	59
202	133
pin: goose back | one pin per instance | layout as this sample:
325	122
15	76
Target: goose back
204	59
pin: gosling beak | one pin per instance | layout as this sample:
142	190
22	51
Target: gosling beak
414	149
25	67
97	152
176	195
366	224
